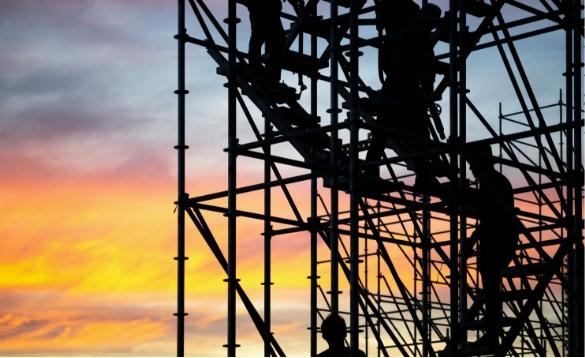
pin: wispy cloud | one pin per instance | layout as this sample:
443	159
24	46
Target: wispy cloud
71	323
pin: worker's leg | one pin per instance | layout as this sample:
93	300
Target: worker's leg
375	152
275	46
255	47
417	127
491	284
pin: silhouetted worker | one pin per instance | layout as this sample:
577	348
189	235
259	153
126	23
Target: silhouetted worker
497	234
406	58
266	29
334	331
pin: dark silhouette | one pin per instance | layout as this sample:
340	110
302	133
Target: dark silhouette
266	29
394	15
406	59
334	331
497	234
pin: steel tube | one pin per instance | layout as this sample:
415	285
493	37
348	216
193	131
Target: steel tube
570	289
267	238
578	176
574	164
181	195
353	184
453	251
334	111
231	213
314	218
462	85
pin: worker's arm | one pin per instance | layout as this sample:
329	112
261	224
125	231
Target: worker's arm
469	243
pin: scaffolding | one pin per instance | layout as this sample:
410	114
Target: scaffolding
363	235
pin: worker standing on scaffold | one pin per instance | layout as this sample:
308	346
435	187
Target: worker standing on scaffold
266	29
497	234
406	60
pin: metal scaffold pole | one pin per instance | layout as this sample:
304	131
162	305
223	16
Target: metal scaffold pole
426	272
267	239
232	21
462	90
314	220
181	195
574	46
425	245
454	195
353	184
313	263
334	114
578	183
569	58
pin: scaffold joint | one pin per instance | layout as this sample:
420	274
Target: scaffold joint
228	280
228	20
182	36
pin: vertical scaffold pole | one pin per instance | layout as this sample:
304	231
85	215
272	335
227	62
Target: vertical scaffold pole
453	227
231	213
353	184
181	195
564	315
569	194
267	238
426	274
577	177
462	166
578	48
500	122
378	280
334	111
314	220
425	268
313	277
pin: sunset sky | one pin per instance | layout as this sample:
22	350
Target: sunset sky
87	185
